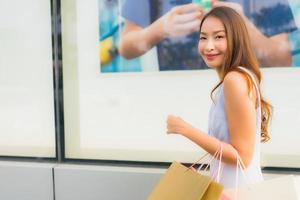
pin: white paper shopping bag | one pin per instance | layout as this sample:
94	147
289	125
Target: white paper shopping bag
274	189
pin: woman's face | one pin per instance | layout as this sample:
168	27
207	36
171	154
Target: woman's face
213	42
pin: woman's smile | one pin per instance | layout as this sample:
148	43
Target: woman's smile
211	57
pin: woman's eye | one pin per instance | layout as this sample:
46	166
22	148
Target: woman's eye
219	36
202	38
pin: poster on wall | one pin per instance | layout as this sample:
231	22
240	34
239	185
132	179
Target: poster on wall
273	27
121	116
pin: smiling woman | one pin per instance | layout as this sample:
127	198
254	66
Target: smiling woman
213	42
239	117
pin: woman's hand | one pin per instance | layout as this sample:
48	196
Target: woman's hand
176	125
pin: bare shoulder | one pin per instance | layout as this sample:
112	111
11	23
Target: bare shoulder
235	83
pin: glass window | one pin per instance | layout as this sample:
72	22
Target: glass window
26	79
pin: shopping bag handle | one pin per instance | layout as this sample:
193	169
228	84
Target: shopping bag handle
239	165
217	176
205	156
218	155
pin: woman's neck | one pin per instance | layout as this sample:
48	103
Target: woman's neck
218	70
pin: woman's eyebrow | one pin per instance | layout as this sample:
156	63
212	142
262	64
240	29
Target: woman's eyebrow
215	32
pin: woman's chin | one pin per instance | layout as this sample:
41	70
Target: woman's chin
210	66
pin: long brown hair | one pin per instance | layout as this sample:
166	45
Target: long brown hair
240	53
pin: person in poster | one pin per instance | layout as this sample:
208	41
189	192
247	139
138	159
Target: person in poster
269	24
294	37
109	33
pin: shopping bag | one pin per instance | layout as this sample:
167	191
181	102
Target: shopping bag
284	187
280	188
182	183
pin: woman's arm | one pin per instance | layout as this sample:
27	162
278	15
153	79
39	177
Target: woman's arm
241	119
241	114
205	141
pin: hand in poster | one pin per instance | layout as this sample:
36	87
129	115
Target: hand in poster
181	20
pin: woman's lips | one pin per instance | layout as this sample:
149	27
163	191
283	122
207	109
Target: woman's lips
211	57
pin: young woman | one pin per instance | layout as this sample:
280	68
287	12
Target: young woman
239	116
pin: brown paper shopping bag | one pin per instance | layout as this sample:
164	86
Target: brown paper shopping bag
182	183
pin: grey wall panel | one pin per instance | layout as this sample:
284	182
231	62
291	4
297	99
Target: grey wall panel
34	181
26	181
104	183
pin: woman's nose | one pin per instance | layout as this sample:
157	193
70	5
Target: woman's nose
209	45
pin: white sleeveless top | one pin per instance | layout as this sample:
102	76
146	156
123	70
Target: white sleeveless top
217	127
